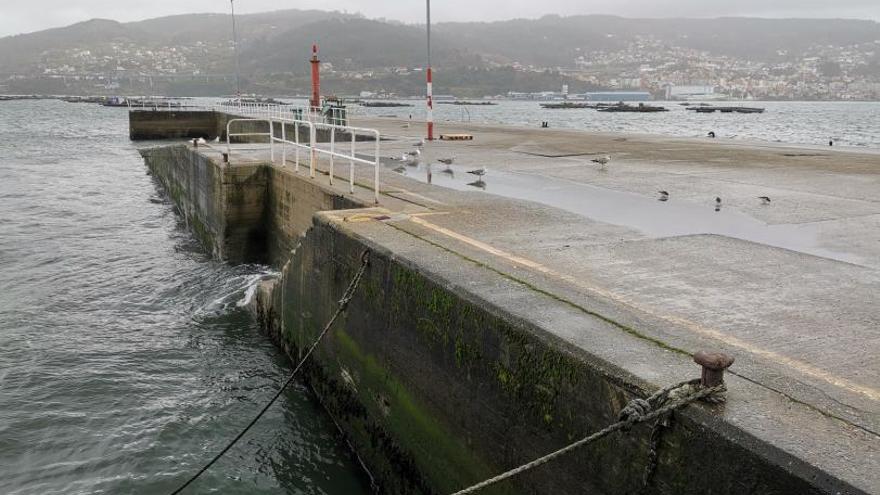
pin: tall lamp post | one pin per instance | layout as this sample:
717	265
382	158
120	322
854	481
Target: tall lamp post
430	92
235	54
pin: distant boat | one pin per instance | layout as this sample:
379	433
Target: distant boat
383	104
640	108
727	109
116	101
253	99
463	102
566	105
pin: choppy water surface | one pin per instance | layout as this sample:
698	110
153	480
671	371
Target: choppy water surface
126	360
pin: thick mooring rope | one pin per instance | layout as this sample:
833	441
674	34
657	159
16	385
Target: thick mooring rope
637	411
343	305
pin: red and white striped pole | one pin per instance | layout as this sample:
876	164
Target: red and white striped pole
430	117
430	94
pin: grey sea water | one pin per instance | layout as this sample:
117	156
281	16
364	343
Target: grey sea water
855	124
126	359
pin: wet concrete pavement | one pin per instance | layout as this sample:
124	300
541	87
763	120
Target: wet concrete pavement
814	193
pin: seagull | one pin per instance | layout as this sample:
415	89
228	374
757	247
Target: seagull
602	161
664	196
411	160
765	200
415	153
202	141
448	163
420	143
480	172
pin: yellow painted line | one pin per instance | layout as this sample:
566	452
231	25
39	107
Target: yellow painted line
430	213
361	217
801	366
415	195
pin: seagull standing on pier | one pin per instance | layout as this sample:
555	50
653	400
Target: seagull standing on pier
765	200
448	163
603	162
410	159
664	196
480	172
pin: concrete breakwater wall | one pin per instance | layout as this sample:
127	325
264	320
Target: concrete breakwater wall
434	384
150	124
225	207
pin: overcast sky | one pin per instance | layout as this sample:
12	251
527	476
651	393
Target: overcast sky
17	16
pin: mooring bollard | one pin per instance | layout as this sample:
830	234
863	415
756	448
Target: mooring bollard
714	364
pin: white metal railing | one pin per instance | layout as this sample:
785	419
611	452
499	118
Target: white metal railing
153	103
267	134
331	149
330	115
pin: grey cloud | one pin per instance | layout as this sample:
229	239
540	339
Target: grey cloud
24	16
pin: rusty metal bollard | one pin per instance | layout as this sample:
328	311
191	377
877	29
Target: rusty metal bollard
714	364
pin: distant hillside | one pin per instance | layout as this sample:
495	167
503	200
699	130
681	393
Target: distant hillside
275	41
20	52
274	48
554	40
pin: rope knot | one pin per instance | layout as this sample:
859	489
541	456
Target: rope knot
634	410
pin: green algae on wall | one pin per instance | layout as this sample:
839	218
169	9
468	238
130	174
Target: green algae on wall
448	333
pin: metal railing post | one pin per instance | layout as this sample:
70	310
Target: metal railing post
376	172
271	141
296	157
351	164
332	151
312	151
283	143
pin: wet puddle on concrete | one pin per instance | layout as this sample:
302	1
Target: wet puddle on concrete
649	216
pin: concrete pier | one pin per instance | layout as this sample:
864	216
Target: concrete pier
491	330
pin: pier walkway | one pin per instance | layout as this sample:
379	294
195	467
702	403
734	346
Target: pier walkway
791	289
803	320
